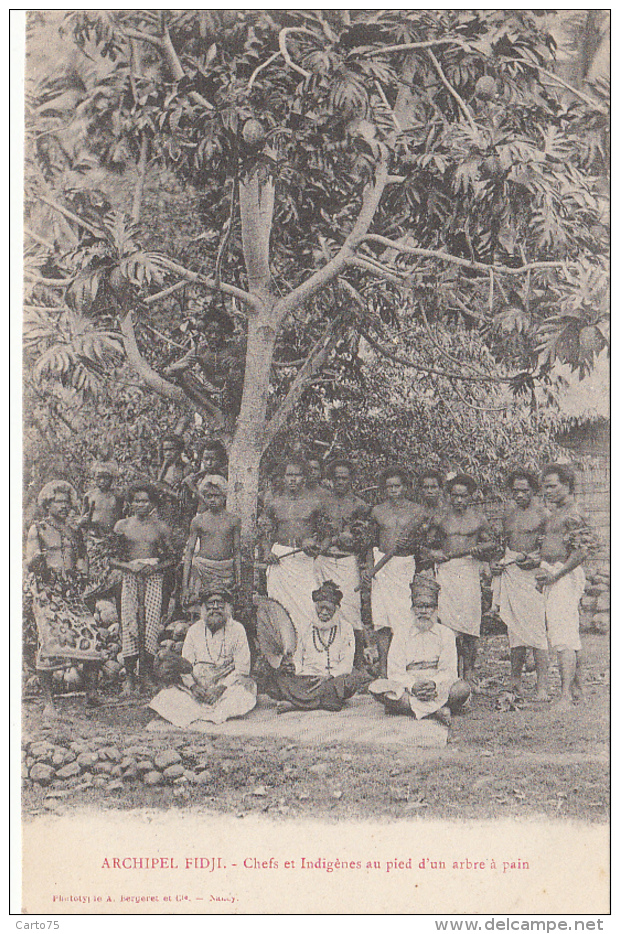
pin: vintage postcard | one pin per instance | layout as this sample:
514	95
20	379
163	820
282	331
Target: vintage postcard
316	464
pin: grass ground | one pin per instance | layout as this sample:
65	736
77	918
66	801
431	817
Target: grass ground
524	763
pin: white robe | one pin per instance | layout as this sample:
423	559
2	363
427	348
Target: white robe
291	583
417	655
391	592
345	573
460	598
205	650
314	658
521	605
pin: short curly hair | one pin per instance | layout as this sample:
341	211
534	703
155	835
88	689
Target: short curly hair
564	474
462	479
403	475
523	474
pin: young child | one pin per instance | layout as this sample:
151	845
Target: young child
218	559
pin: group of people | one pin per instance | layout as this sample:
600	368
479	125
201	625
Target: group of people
169	547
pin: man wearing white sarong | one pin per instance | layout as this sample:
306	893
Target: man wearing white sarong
422	662
338	561
466	540
566	544
519	600
391	566
219	686
295	513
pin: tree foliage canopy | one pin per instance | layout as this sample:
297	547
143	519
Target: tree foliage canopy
347	171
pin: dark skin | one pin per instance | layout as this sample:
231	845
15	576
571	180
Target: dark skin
562	514
523	528
397	519
54	544
102	507
218	532
295	513
213	615
464	532
339	508
141	537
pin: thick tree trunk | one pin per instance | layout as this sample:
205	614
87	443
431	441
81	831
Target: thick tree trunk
247	446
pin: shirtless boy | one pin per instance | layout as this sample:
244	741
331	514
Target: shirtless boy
521	604
144	541
218	560
391	565
103	507
338	560
566	543
296	514
466	541
430	486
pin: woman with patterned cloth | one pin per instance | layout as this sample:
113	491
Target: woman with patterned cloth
58	565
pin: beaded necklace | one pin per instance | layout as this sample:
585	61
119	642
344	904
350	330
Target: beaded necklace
222	652
320	645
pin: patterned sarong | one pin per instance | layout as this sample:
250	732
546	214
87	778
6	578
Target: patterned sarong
521	605
206	571
562	607
460	599
345	573
152	611
66	630
391	592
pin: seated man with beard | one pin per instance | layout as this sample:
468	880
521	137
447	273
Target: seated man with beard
320	675
215	684
422	662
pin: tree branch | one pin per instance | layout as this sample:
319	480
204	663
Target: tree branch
177	70
70	215
136	204
370	202
569	87
260	68
148	375
315	359
457	260
377	269
285	53
250	300
142	37
457	97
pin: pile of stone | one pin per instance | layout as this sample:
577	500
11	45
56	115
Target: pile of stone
595	603
95	763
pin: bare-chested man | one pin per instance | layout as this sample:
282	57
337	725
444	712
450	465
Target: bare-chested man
144	542
56	556
296	514
338	560
566	543
391	565
218	560
430	486
466	541
520	602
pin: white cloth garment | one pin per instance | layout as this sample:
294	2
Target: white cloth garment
326	652
291	583
521	605
391	592
206	651
562	606
460	599
417	655
345	573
